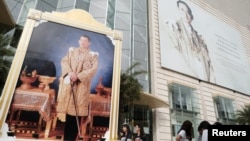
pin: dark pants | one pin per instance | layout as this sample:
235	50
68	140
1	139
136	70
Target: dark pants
70	129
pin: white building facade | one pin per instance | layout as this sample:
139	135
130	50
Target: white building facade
190	96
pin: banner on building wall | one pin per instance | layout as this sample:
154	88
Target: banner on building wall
196	43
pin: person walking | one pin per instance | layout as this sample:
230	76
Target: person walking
185	132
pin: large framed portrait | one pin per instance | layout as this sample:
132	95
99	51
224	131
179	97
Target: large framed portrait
64	79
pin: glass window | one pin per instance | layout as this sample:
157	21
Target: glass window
14	7
140	17
111	14
140	37
131	17
140	5
143	115
225	110
82	4
175	129
125	59
123	23
183	98
123	6
140	52
98	9
46	5
184	106
140	33
65	5
24	12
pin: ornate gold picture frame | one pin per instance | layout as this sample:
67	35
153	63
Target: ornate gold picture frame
47	37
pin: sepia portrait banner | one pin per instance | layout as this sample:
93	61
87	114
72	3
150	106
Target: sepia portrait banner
197	43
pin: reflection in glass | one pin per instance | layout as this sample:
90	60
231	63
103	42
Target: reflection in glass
225	110
14	7
65	5
46	5
28	4
82	4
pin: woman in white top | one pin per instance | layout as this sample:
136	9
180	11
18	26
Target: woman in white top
185	132
203	129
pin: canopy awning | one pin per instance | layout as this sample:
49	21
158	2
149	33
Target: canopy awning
152	101
5	15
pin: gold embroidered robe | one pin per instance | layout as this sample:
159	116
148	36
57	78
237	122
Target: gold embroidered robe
84	62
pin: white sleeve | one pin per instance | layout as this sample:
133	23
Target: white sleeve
204	135
182	133
67	80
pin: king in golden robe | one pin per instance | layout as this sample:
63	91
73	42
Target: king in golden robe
78	68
